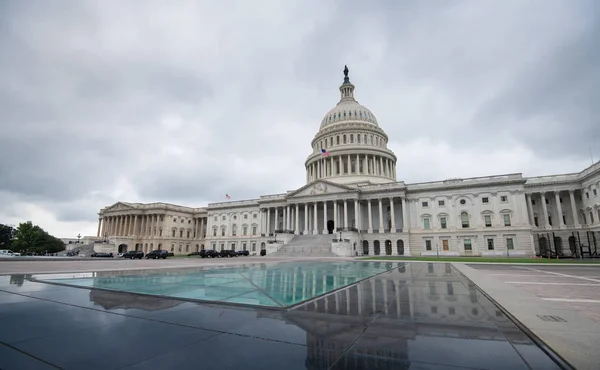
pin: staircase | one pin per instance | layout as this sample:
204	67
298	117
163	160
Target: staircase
307	246
85	249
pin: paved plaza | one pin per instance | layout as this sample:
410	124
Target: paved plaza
417	315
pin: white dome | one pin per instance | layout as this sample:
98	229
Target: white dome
348	110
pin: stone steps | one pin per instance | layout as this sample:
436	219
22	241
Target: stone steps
307	246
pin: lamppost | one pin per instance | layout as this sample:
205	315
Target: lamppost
78	237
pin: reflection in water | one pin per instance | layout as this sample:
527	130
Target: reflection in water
19	279
113	300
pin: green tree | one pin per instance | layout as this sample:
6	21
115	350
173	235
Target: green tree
32	238
7	234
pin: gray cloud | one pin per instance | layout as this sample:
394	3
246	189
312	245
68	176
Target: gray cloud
107	101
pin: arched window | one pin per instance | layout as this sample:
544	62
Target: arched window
358	138
344	138
337	140
223	231
234	230
464	219
371	140
331	141
352	138
365	138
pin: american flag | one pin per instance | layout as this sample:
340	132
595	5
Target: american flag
227	196
324	153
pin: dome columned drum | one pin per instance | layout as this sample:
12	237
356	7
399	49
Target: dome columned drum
350	147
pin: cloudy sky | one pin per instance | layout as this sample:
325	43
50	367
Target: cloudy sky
146	101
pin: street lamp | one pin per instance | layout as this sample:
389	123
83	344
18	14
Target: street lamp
78	237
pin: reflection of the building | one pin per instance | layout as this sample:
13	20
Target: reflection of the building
113	300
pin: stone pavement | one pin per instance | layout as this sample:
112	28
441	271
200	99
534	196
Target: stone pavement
559	304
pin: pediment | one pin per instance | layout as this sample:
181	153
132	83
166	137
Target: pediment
320	188
119	206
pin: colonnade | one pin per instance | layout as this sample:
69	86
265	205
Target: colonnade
142	225
303	218
339	165
574	221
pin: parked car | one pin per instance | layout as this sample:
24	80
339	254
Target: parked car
103	255
209	253
228	253
133	255
263	252
243	253
156	254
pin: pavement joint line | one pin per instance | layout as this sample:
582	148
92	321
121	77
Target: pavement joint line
563	275
544	283
573	300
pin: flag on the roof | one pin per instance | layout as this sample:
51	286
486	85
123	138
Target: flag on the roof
227	196
324	152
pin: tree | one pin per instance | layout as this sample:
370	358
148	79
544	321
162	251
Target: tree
7	234
32	238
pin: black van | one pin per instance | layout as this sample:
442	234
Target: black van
158	253
133	255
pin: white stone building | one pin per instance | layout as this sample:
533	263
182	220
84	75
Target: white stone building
352	193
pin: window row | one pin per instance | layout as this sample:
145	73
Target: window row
468	246
464	220
484	200
358	114
234	217
188	233
244	246
371	139
234	230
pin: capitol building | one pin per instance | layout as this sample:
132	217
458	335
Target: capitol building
353	204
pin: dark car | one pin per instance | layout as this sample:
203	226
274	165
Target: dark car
156	254
228	253
100	254
243	253
133	255
209	253
263	252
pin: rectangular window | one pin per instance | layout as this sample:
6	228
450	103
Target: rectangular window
467	244
451	311
214	232
450	288
485	200
188	234
222	246
445	245
591	218
181	233
490	244
488	220
426	223
425	204
432	288
253	230
428	245
223	232
535	221
245	217
253	247
441	203
245	230
503	198
506	219
173	233
533	202
464	219
510	244
587	195
243	246
443	222
595	193
214	246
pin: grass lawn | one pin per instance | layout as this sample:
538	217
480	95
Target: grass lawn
484	259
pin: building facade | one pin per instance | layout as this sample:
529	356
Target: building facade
352	193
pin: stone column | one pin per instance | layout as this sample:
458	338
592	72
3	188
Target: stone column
349	165
99	225
268	221
404	215
305	218
357	164
120	225
135	217
315	226
393	216
370	229
345	214
530	209
381	229
340	165
325	231
356	225
318	170
297	230
559	209
545	208
574	209
103	227
382	167
335	217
